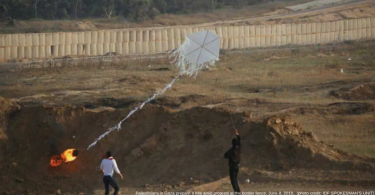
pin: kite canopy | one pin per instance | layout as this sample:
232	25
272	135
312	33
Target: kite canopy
199	50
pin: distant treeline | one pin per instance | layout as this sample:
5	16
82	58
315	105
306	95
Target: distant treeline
135	10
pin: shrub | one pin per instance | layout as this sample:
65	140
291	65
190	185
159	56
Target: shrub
12	22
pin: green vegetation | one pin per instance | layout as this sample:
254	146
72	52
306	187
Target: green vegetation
134	10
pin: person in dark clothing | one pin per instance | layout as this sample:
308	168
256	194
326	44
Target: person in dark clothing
234	158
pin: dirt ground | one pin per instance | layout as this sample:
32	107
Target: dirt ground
305	124
285	16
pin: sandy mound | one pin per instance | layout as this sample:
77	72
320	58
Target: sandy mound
292	147
155	146
325	18
85	26
361	92
358	12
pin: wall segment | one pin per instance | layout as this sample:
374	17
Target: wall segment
150	41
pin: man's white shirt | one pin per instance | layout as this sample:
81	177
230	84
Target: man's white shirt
108	165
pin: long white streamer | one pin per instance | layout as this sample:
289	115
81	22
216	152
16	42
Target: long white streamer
118	126
186	67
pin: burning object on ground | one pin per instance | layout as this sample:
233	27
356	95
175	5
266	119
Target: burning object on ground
67	156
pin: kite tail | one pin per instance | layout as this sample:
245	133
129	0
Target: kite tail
118	126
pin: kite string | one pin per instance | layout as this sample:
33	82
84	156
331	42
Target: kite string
186	67
118	126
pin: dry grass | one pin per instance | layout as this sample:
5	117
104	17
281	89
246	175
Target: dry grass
304	75
184	19
226	13
39	26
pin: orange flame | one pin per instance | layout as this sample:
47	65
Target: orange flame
67	156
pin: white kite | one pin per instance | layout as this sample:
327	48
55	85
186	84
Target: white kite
200	50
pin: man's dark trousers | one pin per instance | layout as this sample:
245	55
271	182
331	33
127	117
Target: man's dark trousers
233	171
108	180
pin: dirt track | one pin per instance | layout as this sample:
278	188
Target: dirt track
305	13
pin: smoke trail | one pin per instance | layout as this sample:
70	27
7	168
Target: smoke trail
118	126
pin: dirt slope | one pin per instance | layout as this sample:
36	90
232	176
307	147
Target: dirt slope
361	92
155	146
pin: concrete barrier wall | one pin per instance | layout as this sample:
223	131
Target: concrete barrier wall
149	41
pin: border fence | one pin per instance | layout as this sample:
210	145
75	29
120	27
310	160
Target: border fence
148	41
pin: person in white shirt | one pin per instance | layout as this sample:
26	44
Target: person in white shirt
107	166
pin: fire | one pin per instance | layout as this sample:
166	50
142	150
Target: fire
67	156
55	160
